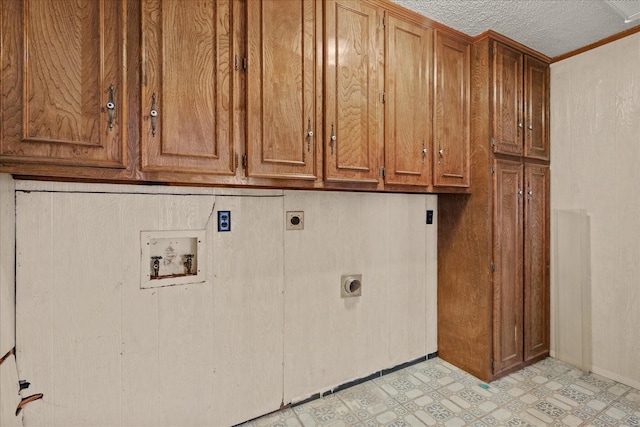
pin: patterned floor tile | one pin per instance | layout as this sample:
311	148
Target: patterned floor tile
366	400
631	399
549	393
326	411
402	386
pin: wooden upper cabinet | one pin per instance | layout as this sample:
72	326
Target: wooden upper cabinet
408	56
63	93
451	114
536	255
536	108
187	86
508	126
520	103
353	114
282	124
507	281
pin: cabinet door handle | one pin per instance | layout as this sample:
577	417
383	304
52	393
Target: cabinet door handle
332	139
529	193
424	152
440	150
520	125
530	127
154	114
309	135
111	106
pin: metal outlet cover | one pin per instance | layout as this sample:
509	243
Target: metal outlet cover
295	220
351	285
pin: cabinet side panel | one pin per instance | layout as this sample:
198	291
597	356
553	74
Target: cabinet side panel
464	246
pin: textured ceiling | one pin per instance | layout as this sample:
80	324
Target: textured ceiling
552	27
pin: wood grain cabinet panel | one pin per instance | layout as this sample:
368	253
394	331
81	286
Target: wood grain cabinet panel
508	127
186	95
520	103
451	112
536	254
507	281
282	127
408	58
353	113
63	87
536	95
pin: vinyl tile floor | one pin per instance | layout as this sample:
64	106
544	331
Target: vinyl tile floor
435	393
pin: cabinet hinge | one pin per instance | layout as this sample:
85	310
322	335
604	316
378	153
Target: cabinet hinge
236	156
493	142
493	366
492	51
244	64
383	22
382	172
384	97
244	161
493	169
235	63
493	267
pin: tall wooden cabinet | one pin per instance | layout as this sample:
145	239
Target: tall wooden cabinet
493	244
63	88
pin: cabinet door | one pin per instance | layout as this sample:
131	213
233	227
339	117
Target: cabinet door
352	92
407	105
507	278
186	100
451	122
63	91
281	88
508	127
536	108
536	262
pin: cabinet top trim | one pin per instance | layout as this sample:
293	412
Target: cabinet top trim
418	19
490	34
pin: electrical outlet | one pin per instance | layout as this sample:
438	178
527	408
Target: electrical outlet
429	217
224	220
295	220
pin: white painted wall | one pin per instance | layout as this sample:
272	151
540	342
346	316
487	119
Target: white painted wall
9	396
330	340
267	327
595	158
